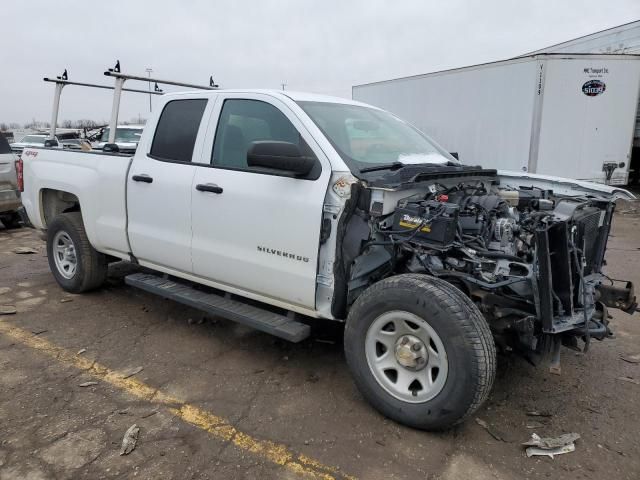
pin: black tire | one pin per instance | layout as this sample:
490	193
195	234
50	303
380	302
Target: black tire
91	267
464	332
11	220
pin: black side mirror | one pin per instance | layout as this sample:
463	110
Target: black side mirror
454	155
281	156
50	143
111	147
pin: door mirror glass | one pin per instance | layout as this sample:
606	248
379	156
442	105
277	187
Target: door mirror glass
280	156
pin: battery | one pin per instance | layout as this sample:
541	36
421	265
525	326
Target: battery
439	221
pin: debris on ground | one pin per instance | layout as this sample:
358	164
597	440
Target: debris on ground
535	424
66	300
130	439
131	372
24	250
87	384
631	358
8	310
536	413
630	380
81	351
150	414
497	435
551	446
39	331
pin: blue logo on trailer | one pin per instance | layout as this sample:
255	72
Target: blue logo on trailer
593	88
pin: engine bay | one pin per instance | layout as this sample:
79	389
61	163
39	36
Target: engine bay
530	258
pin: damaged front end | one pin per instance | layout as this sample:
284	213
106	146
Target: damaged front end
527	250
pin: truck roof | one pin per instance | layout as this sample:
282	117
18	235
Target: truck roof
290	94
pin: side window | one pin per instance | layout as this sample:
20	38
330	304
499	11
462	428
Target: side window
177	130
245	121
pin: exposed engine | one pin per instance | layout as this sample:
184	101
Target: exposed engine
530	259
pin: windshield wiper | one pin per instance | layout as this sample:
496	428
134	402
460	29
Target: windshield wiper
384	166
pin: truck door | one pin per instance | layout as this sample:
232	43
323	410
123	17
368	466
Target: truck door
257	230
159	186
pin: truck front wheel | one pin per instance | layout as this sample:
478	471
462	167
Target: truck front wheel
75	264
420	351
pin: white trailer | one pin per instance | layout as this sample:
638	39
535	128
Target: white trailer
567	115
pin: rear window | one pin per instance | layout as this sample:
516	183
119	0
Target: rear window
177	130
4	145
124	135
33	139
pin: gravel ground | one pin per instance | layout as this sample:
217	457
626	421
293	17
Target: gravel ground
227	402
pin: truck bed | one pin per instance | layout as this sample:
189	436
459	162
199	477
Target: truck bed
97	179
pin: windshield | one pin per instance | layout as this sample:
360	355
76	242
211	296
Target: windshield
131	135
365	137
34	139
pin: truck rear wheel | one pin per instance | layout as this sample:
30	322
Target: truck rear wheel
75	264
10	220
420	351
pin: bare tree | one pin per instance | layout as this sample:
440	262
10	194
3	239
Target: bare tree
86	123
67	124
4	127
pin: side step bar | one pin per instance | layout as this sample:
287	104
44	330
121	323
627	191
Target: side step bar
255	317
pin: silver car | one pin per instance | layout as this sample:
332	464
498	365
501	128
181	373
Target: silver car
10	204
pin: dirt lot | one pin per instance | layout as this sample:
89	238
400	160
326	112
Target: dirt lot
215	400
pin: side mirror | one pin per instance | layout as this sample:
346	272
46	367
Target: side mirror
50	143
111	147
454	155
281	156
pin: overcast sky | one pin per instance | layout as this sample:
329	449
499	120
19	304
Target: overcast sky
320	46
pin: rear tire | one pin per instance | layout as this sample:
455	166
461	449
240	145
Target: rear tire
11	220
420	351
75	264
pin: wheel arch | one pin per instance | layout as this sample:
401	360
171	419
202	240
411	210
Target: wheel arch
53	202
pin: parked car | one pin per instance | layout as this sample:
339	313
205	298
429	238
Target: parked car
127	138
9	193
292	206
33	140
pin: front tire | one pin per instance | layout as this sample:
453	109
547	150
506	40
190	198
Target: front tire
75	264
420	351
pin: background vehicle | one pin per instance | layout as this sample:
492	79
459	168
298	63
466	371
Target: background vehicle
569	115
76	144
34	140
127	138
327	208
9	193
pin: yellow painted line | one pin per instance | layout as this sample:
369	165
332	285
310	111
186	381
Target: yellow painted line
216	426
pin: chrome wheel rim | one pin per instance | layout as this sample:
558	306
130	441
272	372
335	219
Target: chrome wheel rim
64	255
406	356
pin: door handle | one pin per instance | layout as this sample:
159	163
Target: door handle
142	178
209	187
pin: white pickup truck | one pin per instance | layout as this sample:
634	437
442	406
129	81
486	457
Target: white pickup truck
281	206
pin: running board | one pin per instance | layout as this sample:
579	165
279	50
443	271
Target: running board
254	317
